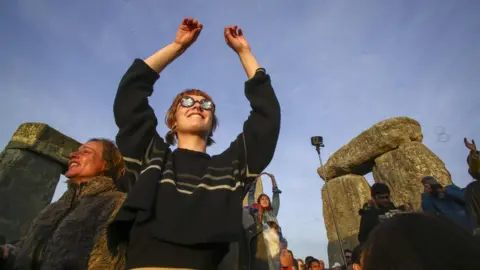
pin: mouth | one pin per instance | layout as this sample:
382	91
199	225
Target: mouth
73	164
196	115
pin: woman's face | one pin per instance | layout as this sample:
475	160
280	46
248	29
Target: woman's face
86	162
194	119
264	202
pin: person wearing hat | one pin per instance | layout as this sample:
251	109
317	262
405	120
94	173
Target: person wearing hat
336	266
378	206
448	202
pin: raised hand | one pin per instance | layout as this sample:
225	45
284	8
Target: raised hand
235	39
188	32
470	146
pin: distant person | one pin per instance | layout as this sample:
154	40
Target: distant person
185	209
357	257
267	210
420	241
300	264
472	190
71	232
316	264
448	202
348	256
286	260
375	210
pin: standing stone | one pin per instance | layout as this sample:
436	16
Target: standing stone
348	193
30	167
402	170
357	156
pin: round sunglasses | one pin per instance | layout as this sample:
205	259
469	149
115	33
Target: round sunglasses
188	102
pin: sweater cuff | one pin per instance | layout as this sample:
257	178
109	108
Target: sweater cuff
276	190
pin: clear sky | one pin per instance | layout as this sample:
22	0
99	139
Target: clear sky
338	67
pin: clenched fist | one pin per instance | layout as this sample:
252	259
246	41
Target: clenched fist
188	32
235	39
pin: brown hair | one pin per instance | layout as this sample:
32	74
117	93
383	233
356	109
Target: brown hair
112	156
171	136
269	208
273	225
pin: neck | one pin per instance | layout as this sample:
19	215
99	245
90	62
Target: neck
192	142
79	180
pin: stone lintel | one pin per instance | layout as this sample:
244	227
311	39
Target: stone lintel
45	140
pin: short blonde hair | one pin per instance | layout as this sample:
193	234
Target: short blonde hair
171	137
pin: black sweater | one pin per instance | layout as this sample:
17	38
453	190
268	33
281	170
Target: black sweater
187	197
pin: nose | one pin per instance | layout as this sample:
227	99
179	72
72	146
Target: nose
197	106
74	155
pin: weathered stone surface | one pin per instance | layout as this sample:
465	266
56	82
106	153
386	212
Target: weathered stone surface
30	167
357	157
43	139
402	170
348	193
258	192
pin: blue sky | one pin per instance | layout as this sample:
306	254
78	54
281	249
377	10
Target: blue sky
338	67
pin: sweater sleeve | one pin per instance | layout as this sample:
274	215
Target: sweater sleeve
255	146
276	200
134	117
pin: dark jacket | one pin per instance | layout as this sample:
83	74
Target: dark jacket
71	232
453	206
250	253
370	218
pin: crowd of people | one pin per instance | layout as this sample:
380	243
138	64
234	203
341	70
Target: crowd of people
137	204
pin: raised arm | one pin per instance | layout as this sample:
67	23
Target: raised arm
260	132
276	196
473	159
134	117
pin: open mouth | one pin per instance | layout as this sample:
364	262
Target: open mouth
73	164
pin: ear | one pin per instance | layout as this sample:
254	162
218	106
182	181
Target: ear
104	166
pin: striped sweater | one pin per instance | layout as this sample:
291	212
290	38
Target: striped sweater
187	197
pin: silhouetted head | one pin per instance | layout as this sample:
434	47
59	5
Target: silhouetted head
97	157
192	113
420	241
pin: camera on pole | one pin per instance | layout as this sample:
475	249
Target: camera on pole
317	141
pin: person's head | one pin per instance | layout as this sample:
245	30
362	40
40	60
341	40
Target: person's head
308	260
264	202
273	225
317	264
381	194
420	241
97	157
431	185
192	113
300	264
348	255
286	258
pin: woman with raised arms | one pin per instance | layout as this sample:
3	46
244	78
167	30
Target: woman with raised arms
185	206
